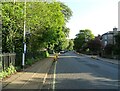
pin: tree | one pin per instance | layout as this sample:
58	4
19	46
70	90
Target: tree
81	39
71	44
45	25
50	21
66	31
66	11
95	46
61	41
12	26
43	20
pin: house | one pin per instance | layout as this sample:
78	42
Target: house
109	37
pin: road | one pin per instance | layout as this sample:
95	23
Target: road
73	71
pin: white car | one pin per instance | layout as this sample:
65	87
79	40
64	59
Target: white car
61	52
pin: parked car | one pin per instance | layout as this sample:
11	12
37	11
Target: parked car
61	52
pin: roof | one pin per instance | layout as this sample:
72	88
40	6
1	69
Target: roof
107	33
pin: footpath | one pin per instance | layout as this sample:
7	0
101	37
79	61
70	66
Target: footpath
32	77
113	61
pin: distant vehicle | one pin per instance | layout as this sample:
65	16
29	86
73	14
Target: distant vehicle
61	52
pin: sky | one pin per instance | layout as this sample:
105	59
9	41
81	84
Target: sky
100	16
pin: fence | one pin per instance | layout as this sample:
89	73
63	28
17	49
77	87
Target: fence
6	59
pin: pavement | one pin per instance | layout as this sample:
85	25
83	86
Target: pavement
32	77
113	61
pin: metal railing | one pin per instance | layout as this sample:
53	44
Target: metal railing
6	59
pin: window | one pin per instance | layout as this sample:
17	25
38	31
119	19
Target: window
105	43
105	37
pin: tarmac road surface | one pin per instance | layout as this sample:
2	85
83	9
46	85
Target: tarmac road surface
73	71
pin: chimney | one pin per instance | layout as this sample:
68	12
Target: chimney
115	30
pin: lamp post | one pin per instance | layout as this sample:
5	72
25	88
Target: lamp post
0	38
24	39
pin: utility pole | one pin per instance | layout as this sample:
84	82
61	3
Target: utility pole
0	28
24	39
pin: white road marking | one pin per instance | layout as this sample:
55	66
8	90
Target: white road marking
44	80
54	77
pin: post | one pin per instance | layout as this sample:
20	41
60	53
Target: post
24	44
0	28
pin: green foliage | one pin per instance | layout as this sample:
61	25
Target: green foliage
18	68
45	27
32	59
66	31
81	39
29	62
66	11
12	25
49	26
3	74
9	71
71	44
45	54
61	43
95	45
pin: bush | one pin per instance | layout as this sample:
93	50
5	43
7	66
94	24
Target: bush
11	70
29	62
109	49
18	59
7	72
30	58
18	68
44	54
47	54
3	74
